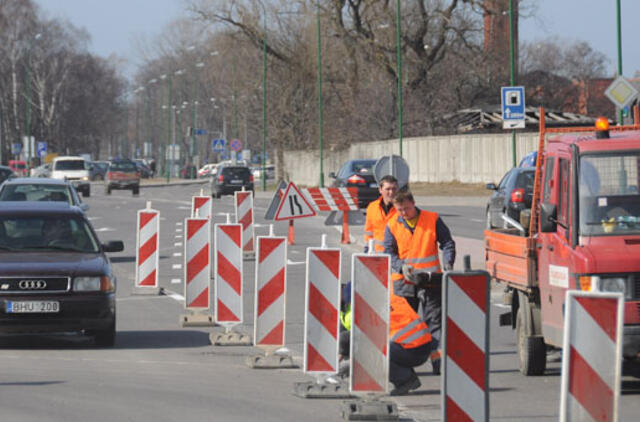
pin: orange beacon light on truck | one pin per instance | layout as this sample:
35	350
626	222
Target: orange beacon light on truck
602	128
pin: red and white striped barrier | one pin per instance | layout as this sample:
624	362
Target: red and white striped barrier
147	240
370	324
197	268
322	307
229	275
591	356
244	216
202	206
465	346
271	281
333	199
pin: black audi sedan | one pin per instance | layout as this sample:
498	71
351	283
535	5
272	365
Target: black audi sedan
54	274
358	174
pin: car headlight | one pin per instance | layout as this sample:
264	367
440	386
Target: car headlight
86	179
93	284
607	284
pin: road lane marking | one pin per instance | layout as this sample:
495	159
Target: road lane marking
178	236
105	229
176	266
177	244
477	220
178	230
94	218
178	223
177	254
174	295
176	281
290	262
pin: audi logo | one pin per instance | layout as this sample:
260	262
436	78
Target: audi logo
32	284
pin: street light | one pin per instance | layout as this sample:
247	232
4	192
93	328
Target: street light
167	164
264	95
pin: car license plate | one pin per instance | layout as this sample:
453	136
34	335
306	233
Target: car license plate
236	181
33	306
373	185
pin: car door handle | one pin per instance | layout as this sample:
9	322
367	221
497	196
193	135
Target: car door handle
550	247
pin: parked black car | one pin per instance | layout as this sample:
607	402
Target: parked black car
98	170
54	274
143	169
230	179
358	174
512	195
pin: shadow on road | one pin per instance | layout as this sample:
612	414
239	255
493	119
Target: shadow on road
160	339
30	383
119	259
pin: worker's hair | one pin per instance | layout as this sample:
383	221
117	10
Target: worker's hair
403	195
388	179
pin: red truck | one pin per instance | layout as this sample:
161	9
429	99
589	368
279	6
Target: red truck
583	233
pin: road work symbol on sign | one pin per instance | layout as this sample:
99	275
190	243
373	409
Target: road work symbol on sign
293	205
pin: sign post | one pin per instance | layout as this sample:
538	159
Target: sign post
513	106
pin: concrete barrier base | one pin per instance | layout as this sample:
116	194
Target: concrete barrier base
230	338
148	291
369	410
325	390
271	361
197	320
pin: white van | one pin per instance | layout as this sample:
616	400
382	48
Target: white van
73	169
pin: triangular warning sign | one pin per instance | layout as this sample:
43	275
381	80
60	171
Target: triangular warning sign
293	205
275	201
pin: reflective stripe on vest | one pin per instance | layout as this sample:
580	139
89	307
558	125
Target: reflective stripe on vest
405	326
418	249
376	224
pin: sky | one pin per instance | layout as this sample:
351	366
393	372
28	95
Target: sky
114	24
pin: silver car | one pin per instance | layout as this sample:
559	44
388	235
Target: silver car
41	189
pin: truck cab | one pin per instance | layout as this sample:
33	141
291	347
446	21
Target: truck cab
589	236
584	234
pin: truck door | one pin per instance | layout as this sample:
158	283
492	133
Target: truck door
555	249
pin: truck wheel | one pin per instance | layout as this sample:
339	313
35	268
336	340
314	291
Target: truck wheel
532	353
135	190
105	338
108	190
87	193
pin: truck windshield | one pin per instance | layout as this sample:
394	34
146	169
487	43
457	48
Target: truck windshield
609	194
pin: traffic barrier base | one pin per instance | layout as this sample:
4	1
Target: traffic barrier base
322	390
371	409
249	256
197	319
346	237
147	290
277	360
291	239
230	338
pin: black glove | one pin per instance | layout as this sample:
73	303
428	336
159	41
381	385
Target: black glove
429	280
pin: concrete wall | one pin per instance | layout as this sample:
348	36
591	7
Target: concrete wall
478	158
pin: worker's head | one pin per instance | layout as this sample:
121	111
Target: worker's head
387	188
405	205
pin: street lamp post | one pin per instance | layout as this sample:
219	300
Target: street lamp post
320	120
399	72
28	92
512	77
169	113
264	95
619	37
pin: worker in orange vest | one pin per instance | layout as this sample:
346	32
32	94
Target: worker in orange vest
412	238
379	212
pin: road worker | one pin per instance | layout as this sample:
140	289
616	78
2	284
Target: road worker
412	238
379	212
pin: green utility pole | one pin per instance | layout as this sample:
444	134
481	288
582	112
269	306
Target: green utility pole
619	24
236	132
264	96
512	74
320	120
399	71
169	111
193	127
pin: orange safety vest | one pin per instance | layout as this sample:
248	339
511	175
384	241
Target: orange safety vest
376	223
405	326
418	249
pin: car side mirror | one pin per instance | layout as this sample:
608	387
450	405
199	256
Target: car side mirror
113	246
332	175
84	207
491	186
548	217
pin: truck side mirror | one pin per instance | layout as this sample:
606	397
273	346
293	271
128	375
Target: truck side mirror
548	217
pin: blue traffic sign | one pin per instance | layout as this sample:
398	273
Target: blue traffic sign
236	145
41	149
218	145
200	131
16	148
513	106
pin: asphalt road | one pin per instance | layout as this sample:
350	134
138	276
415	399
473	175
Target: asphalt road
159	371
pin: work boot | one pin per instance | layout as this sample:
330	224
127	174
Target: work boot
435	365
411	384
343	368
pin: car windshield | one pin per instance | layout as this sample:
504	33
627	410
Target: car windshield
237	172
35	192
70	165
609	194
60	232
123	166
20	166
364	167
